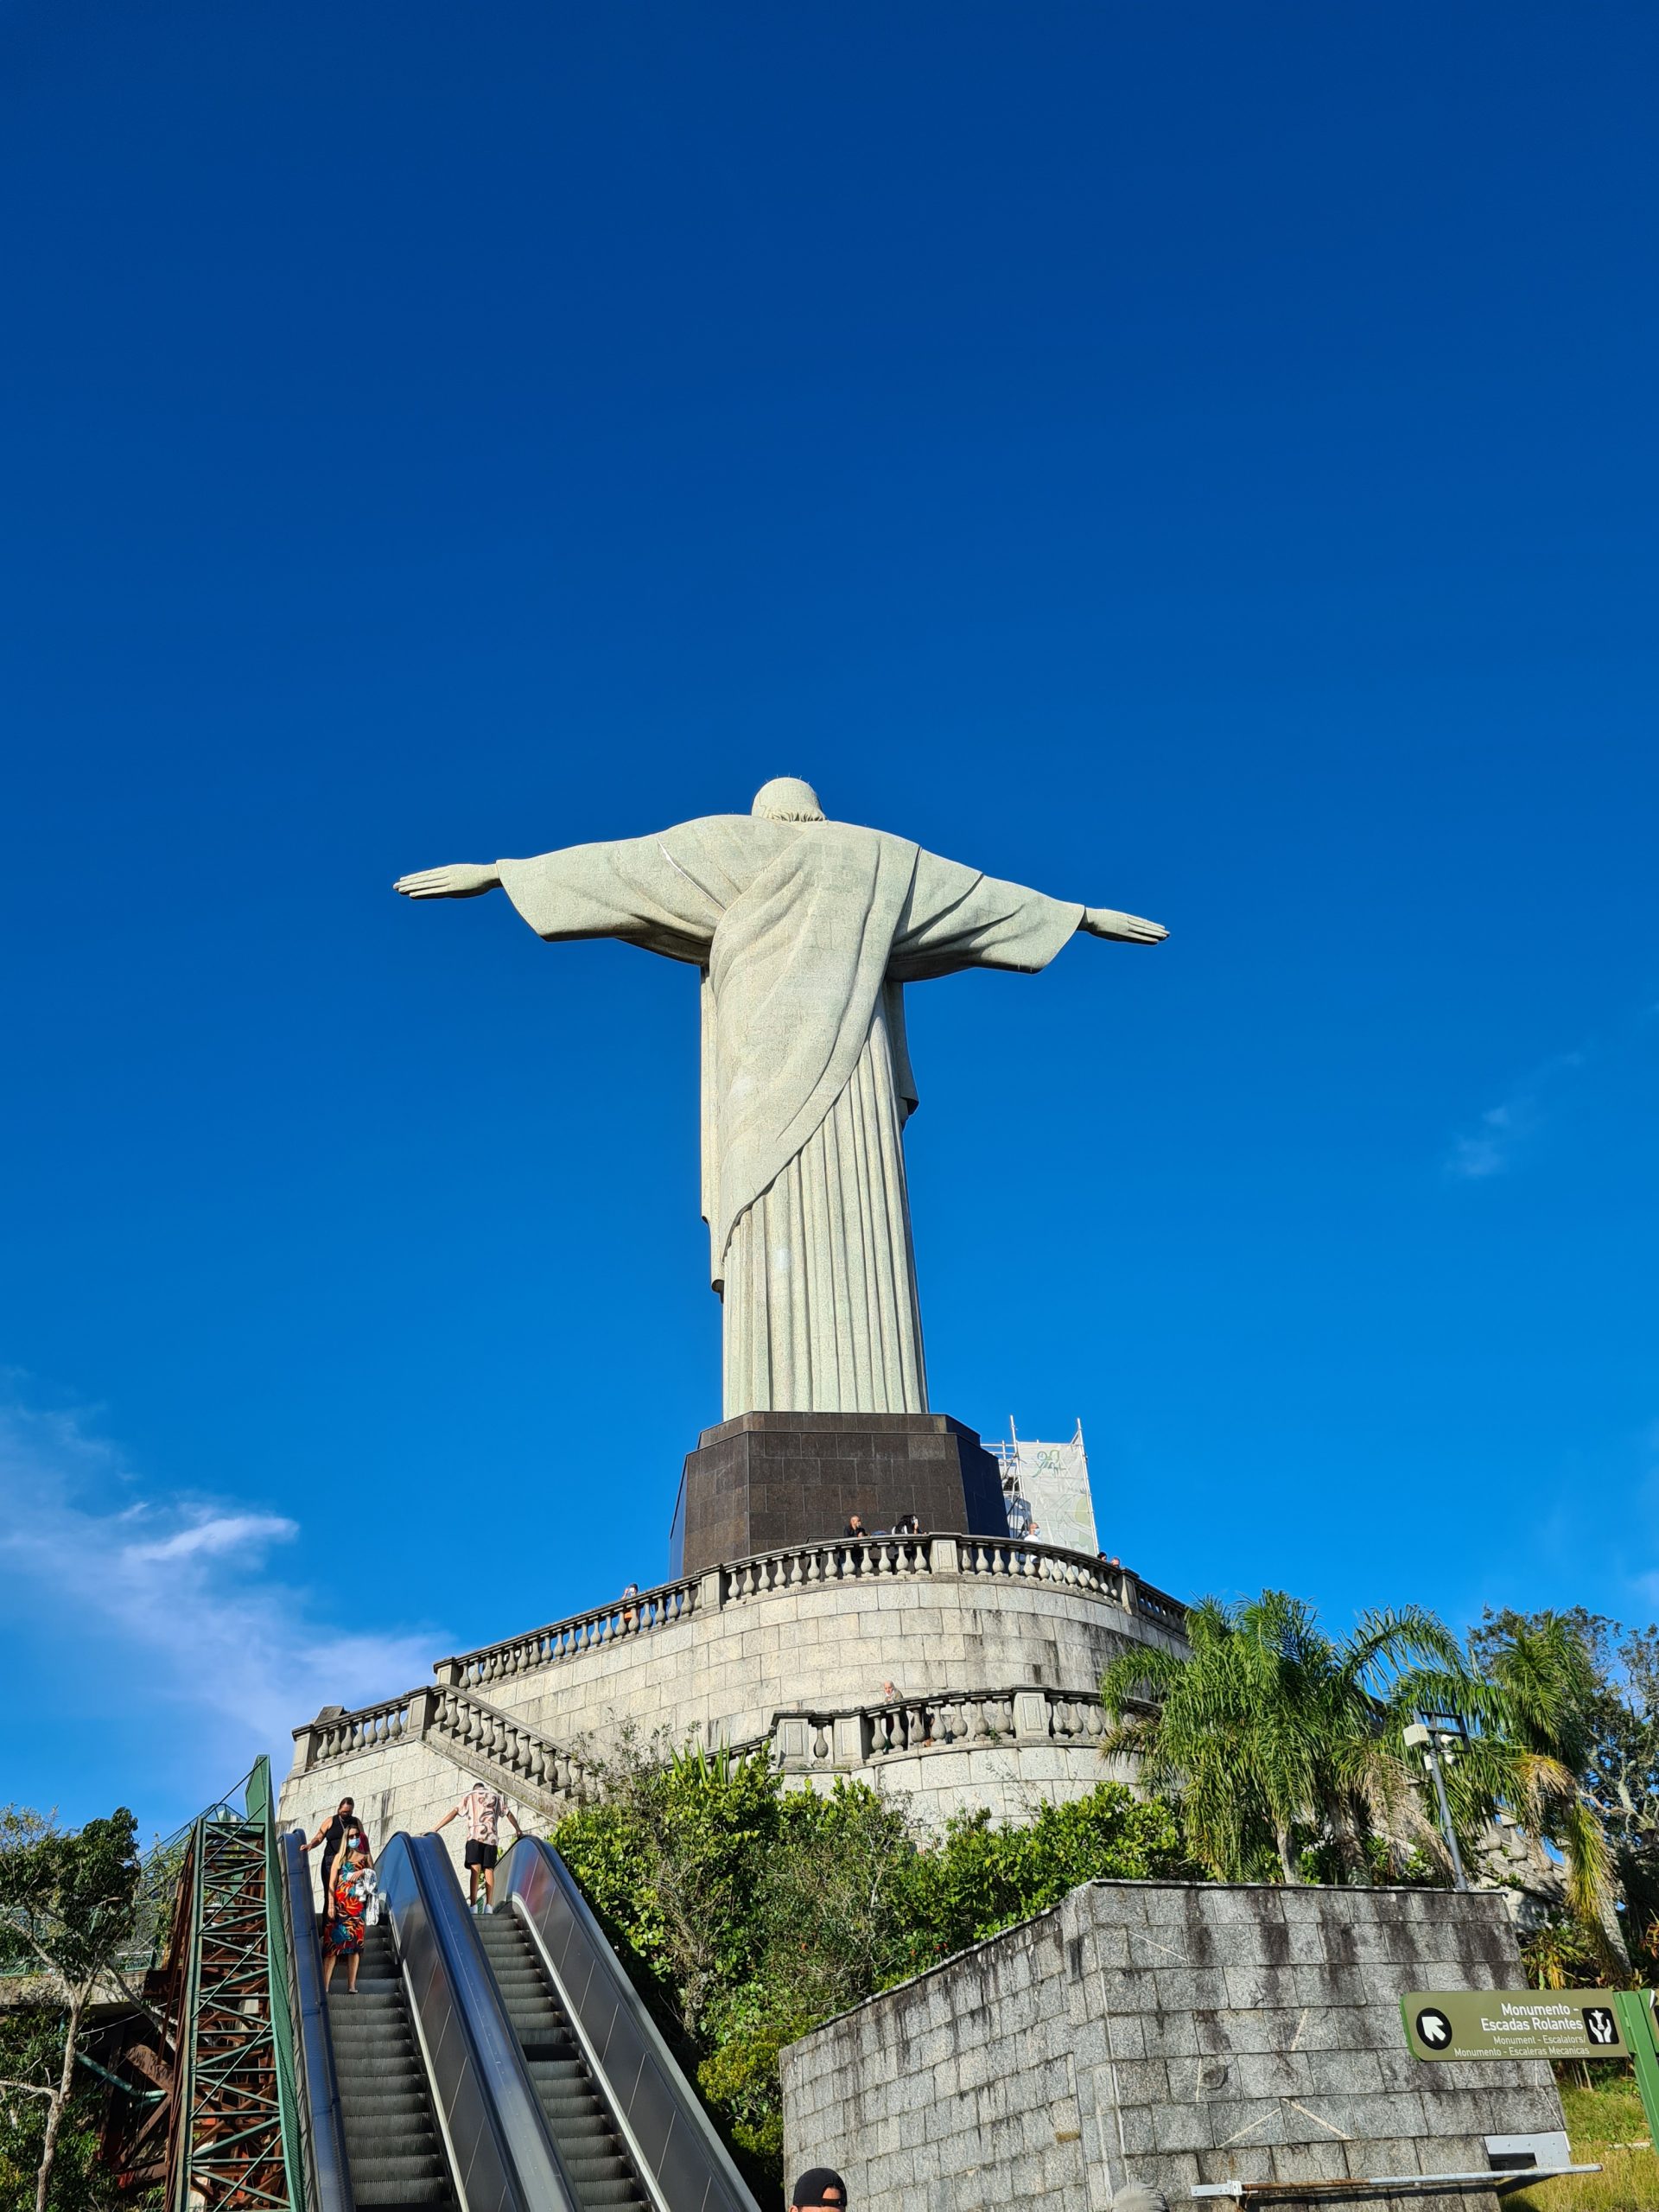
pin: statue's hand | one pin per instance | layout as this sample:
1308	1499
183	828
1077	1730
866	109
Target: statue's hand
1124	929
462	880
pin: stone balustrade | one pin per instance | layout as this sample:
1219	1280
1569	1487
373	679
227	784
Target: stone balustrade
890	1574
467	1725
570	1639
837	1560
861	1737
476	1734
335	1734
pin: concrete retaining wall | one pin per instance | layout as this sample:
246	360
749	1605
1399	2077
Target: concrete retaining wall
1170	2034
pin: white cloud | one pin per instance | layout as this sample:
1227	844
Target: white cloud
214	1533
183	1609
1503	1132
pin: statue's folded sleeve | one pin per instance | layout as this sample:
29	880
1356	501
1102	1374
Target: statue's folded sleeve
629	888
956	918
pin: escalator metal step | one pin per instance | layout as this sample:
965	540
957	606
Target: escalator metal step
584	2133
393	2152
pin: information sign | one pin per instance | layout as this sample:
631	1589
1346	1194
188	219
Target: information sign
1514	2023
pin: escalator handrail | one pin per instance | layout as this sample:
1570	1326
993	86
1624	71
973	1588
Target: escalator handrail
674	2144
330	2171
503	2155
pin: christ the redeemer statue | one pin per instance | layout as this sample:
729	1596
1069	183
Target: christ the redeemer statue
805	933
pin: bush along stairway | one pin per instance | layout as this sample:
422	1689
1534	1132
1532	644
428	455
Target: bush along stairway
584	2134
391	2138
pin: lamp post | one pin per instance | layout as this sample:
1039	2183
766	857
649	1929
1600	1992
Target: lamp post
1419	1737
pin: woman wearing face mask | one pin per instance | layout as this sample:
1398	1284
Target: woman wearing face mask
330	1835
344	1924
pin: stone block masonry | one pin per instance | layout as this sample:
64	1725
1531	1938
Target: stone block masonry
1170	2034
948	1670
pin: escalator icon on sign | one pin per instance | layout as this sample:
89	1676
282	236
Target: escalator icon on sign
1434	2030
1599	2024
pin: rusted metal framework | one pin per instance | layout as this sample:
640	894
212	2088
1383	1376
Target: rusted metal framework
233	2138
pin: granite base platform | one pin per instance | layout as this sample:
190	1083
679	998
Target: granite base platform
764	1481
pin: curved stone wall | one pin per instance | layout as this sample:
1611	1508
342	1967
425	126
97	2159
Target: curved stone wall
948	1671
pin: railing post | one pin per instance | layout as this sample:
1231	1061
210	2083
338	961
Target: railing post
710	1591
448	1672
852	1738
305	1748
1030	1713
1130	1603
422	1711
944	1558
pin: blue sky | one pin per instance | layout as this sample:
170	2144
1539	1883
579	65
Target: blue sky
1199	459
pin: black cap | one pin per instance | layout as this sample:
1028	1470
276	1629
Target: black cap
813	2185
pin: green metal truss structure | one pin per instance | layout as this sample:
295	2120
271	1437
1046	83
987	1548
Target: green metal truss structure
233	2137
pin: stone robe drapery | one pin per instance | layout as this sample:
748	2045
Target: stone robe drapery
806	933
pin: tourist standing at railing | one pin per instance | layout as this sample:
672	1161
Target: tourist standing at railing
330	1835
484	1808
344	1919
855	1528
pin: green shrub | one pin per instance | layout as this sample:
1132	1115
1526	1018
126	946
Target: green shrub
749	1913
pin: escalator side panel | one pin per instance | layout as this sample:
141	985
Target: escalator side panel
329	2175
672	2138
503	2157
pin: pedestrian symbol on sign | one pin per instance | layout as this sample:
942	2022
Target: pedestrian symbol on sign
1599	2024
1433	2029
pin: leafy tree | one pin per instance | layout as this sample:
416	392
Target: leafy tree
66	1903
1561	1954
978	1879
1269	1731
31	2053
750	1913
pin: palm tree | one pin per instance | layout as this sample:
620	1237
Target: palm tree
1528	1738
1270	1726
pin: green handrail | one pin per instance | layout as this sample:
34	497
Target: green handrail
262	1806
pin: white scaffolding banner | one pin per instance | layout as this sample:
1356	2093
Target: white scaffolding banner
1053	1479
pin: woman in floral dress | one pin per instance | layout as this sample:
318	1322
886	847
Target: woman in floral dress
342	1929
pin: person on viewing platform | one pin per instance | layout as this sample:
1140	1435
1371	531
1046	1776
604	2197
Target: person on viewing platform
343	1918
907	1525
630	1613
483	1808
855	1528
330	1835
820	2189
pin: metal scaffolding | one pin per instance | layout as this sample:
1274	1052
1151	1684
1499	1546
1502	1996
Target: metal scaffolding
233	2142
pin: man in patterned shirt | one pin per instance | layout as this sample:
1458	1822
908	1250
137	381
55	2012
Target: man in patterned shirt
483	1808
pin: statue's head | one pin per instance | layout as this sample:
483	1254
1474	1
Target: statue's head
786	799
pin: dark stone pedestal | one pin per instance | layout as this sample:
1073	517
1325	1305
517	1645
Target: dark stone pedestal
767	1480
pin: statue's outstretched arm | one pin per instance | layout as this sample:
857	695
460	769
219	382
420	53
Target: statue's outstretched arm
460	880
1106	921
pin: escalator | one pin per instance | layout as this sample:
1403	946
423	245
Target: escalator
584	2134
394	2155
413	2091
499	2063
626	2126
